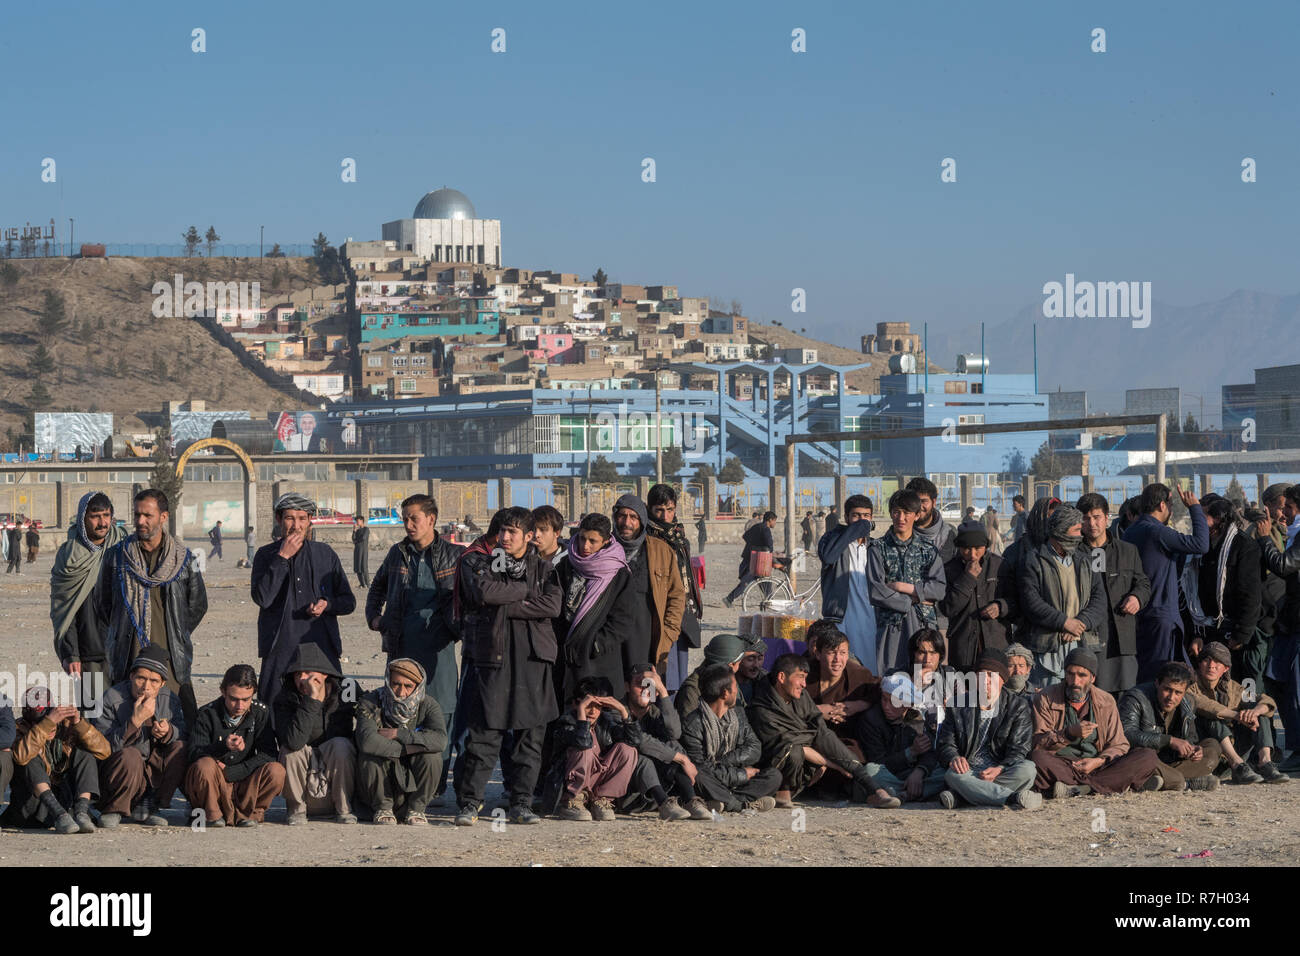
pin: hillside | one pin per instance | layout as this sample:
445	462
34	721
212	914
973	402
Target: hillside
105	359
864	380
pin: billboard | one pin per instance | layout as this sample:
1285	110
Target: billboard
59	433
313	432
191	426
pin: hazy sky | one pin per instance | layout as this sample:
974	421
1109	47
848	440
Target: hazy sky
775	169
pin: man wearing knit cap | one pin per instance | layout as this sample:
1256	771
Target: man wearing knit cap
1224	713
1079	743
301	591
1062	599
401	735
973	605
654	581
144	725
723	649
1020	661
985	742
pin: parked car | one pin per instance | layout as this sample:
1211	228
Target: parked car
330	516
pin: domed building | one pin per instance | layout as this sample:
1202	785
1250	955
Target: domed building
445	228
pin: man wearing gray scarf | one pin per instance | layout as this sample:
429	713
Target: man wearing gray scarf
658	596
1061	597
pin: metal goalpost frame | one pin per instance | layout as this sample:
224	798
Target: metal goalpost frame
872	434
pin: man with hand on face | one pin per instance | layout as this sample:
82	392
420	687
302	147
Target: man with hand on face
846	596
233	774
1239	725
315	727
648	706
75	589
797	740
401	736
301	590
152	594
56	754
1079	743
142	722
1127	591
410	604
975	609
898	745
506	598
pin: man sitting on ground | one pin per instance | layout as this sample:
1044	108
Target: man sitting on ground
1224	714
841	688
56	754
233	774
595	756
400	739
899	746
1159	716
1079	744
722	649
661	730
719	741
797	740
985	740
143	724
1020	661
316	727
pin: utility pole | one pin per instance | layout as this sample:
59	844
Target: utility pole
261	234
588	436
659	451
72	236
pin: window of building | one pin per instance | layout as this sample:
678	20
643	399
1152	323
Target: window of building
419	360
977	388
408	385
573	433
374	361
952	387
399	361
970	420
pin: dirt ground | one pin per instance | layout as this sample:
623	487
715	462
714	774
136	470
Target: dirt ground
1241	826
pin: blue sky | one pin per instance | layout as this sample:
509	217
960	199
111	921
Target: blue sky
775	170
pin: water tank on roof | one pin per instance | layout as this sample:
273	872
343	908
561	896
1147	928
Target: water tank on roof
902	363
972	364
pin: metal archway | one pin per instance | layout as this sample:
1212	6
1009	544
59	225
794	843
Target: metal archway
250	482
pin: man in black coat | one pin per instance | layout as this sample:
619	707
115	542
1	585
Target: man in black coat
1160	715
506	597
719	741
361	550
975	610
233	774
315	726
1223	592
1119	565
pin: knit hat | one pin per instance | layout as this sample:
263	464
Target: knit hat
971	537
1019	650
1219	652
153	658
406	667
725	649
1082	657
993	660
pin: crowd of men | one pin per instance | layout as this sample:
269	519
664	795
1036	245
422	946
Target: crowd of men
1091	656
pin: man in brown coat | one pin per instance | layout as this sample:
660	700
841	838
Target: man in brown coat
1224	714
655	578
1079	743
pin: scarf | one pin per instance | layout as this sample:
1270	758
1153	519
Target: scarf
76	569
134	580
595	571
1191	581
674	536
401	712
719	738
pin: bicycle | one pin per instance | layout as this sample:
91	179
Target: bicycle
774	593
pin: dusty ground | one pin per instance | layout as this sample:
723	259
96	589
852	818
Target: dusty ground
1242	826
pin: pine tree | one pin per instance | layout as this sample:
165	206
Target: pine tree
163	477
191	238
733	472
211	238
603	471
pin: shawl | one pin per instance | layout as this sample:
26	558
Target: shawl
135	582
401	712
596	571
76	569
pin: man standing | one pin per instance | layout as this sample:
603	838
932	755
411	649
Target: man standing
1127	591
976	613
664	526
806	526
905	574
33	542
655	580
152	595
506	598
1158	715
846	596
301	592
1283	667
930	524
15	538
1221	590
1018	519
361	550
1159	625
233	774
214	537
757	538
410	603
1079	743
250	544
75	595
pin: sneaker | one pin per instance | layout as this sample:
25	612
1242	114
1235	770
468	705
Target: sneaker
110	821
385	818
728	602
248	823
1242	773
416	819
887	802
218	822
1271	774
65	824
670	809
1207	782
762	804
297	819
468	815
602	809
1154	782
1029	800
522	815
574	808
948	799
345	818
699	810
145	812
